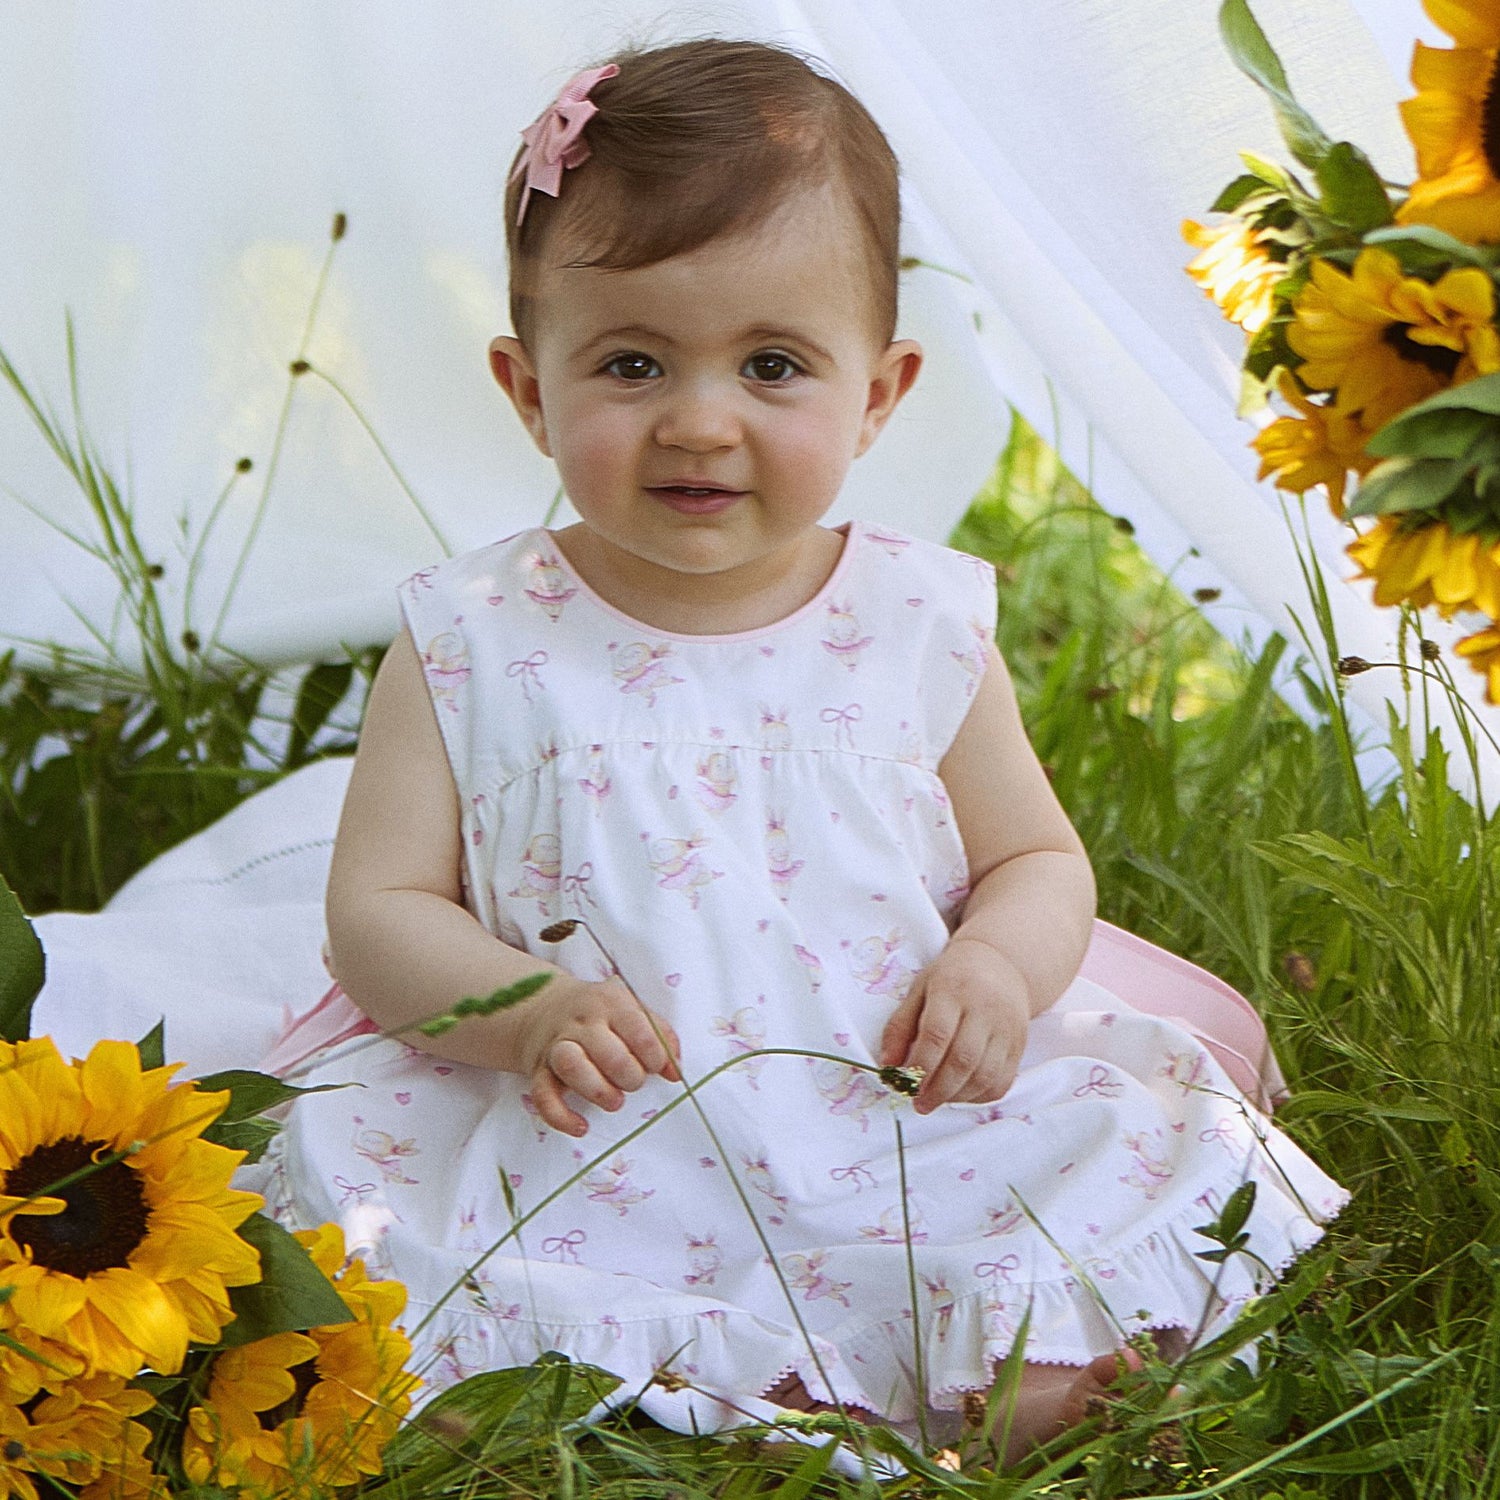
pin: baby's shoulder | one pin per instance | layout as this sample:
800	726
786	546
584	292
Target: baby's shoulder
930	571
493	560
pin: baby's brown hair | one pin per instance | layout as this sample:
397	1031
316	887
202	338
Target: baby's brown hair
698	140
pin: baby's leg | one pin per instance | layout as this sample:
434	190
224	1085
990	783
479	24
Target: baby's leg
1050	1399
1053	1398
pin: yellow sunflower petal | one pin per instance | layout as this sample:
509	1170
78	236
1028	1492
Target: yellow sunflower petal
129	1317
1471	23
43	1301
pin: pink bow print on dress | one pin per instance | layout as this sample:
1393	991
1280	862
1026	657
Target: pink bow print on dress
554	140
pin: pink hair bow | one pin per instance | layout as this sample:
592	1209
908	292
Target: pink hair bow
554	140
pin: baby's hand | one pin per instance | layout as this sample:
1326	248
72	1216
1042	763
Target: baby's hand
596	1040
964	1022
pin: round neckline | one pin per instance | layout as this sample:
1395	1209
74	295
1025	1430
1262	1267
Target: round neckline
852	531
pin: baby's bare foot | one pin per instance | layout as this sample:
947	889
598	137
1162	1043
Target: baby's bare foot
789	1392
1053	1398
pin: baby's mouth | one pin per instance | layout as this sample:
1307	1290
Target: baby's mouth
695	499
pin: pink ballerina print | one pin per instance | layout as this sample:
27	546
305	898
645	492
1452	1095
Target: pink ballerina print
1149	1173
679	866
455	1357
445	664
643	669
596	782
779	862
812	963
941	1302
890	1229
758	1174
851	1092
775	732
746	1030
1187	1069
841	639
888	542
549	587
876	963
909	747
611	1185
705	1260
381	1149
716	782
541	869
1003	1220
972	659
805	1272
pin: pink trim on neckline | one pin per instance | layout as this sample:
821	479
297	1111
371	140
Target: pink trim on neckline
853	530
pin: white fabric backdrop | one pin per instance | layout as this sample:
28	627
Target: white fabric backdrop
180	165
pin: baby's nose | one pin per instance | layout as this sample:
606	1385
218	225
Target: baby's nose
699	419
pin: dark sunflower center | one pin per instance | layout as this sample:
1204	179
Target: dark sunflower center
106	1214
306	1377
1434	356
1489	120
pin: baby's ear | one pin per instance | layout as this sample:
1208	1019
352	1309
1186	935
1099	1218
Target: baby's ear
894	374
512	368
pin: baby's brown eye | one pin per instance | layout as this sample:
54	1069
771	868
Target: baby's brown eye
632	366
773	369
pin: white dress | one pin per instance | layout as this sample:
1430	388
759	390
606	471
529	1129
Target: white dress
754	827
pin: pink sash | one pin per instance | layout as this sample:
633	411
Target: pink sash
1150	979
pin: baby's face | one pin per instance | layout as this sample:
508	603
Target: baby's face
704	411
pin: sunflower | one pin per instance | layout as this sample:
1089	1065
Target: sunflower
1427	564
1482	651
1454	124
117	1223
78	1431
1234	271
314	1409
1382	340
1321	446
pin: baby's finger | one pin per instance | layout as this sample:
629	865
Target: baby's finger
651	1040
965	1052
936	1026
615	1061
575	1070
547	1095
896	1039
993	1077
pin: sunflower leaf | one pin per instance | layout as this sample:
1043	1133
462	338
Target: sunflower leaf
1257	60
1237	192
23	967
252	1093
1406	484
1425	238
1440	432
153	1046
1351	189
292	1294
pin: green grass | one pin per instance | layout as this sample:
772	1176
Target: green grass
1221	824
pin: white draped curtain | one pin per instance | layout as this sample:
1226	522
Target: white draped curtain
172	171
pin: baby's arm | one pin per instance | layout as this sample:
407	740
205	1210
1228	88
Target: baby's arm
1025	925
404	947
